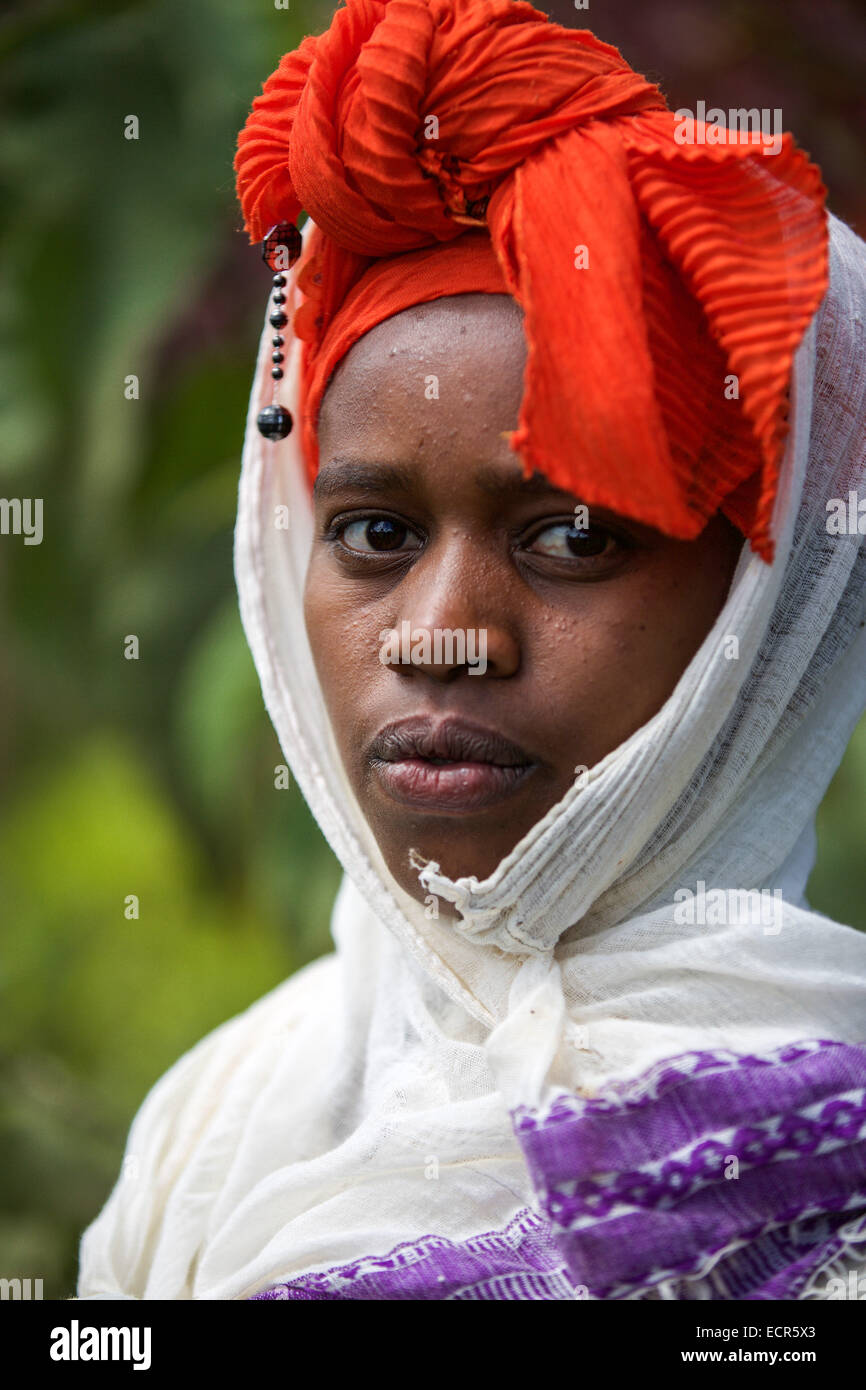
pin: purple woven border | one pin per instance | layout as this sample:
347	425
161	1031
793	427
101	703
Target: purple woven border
760	1157
520	1262
635	1187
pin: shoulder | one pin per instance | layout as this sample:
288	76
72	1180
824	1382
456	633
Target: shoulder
190	1120
237	1045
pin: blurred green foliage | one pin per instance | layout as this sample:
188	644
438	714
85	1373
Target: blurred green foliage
152	777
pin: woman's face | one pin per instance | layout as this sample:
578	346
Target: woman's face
477	650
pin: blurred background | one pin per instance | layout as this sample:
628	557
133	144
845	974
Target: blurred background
155	777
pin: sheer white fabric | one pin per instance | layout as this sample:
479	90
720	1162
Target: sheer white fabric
365	1102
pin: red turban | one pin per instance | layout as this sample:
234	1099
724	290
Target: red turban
650	272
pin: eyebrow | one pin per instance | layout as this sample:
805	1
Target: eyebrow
499	484
340	475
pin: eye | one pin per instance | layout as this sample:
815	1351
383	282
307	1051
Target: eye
377	534
563	541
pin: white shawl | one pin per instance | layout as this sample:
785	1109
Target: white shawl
363	1106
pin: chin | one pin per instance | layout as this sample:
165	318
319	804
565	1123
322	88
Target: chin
454	860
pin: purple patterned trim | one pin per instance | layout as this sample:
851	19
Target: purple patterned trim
636	1187
521	1262
708	1156
672	1071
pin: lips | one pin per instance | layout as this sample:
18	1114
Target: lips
447	765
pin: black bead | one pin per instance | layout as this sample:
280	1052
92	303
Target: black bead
278	319
278	340
277	373
277	357
478	209
282	246
278	298
274	422
279	281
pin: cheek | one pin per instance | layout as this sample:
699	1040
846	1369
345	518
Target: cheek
343	638
605	664
322	623
591	665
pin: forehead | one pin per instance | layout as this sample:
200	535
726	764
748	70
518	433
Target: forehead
451	370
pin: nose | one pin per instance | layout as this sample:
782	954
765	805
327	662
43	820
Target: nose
454	615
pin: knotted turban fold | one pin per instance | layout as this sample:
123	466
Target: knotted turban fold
446	146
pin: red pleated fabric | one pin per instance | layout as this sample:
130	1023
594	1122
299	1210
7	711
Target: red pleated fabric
446	146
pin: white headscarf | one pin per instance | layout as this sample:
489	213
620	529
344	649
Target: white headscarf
350	1132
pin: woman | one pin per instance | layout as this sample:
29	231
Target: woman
563	655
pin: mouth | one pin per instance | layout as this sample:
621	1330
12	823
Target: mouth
449	765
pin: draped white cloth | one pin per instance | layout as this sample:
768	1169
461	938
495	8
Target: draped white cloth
365	1102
